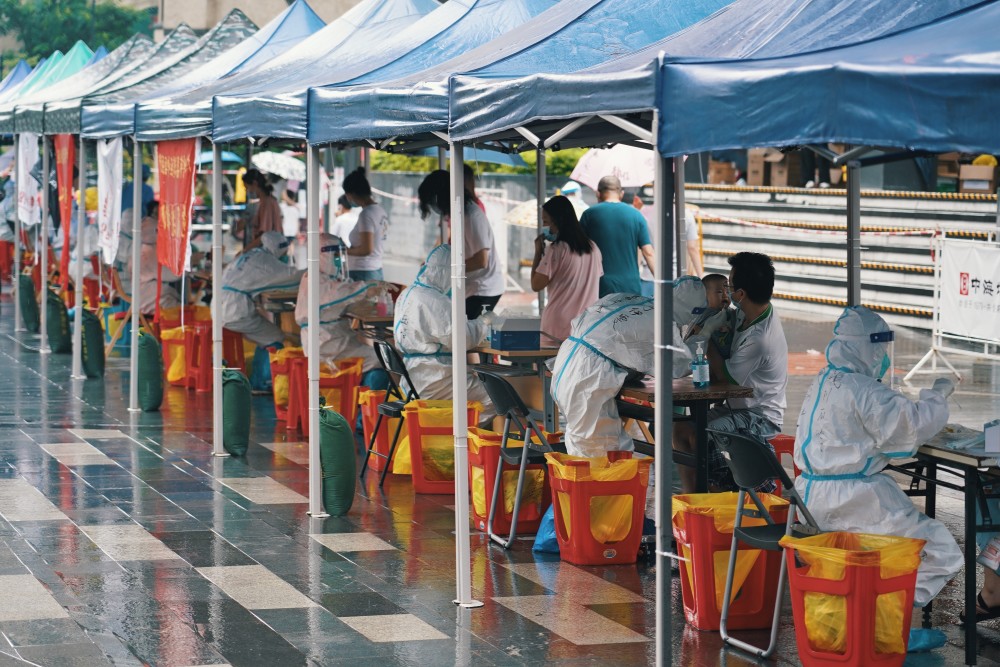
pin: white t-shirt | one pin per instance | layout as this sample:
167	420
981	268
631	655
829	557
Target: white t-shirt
759	360
374	219
344	224
289	219
487	281
690	234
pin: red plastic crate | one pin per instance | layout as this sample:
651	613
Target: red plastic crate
484	456
577	543
429	424
369	400
706	549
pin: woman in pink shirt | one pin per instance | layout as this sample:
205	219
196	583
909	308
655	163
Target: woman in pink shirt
569	267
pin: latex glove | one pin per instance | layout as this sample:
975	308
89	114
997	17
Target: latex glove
943	386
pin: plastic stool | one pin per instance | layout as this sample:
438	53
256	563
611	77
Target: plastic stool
198	354
344	386
784	444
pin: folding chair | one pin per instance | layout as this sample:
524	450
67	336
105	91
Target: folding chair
392	405
752	463
507	403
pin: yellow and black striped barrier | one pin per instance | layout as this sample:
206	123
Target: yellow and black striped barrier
877	194
819	261
842	303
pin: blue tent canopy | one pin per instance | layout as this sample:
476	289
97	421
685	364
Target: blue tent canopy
574	33
111	113
99	55
165	117
933	88
28	115
15	76
272	101
484	107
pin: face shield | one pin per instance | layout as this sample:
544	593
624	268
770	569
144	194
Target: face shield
887	338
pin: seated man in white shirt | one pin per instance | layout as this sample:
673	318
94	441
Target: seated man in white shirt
758	359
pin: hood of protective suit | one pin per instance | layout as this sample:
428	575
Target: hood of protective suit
436	271
275	243
329	246
690	301
852	349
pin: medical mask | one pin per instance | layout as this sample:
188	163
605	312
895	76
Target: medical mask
550	236
732	299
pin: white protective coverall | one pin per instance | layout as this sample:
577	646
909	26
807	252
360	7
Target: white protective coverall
149	263
337	340
852	426
422	330
253	272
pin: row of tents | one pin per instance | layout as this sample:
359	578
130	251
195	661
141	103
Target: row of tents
400	73
679	75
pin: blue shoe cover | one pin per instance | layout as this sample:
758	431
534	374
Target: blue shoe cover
925	639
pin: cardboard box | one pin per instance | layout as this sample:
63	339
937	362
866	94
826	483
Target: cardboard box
721	172
756	167
517	333
788	172
976	179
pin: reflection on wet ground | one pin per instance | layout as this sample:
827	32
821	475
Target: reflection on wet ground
123	541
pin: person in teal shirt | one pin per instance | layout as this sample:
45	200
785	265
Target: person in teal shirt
620	233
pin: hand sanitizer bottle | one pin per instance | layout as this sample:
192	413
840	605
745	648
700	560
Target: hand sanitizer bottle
699	368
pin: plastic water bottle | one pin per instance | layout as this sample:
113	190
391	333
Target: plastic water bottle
699	368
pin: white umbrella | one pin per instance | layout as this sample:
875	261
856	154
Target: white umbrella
285	166
633	166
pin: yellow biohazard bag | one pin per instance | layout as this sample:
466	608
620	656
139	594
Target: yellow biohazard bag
610	515
534	477
173	354
721	507
369	400
429	425
279	373
828	556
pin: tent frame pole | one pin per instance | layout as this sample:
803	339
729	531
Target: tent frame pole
853	233
680	217
442	221
18	250
460	389
43	253
316	509
133	389
664	186
217	257
540	185
81	223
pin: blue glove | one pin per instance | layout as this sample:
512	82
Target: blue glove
924	639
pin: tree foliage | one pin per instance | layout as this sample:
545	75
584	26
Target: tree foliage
559	163
43	26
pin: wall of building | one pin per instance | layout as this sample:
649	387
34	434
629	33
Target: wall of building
203	14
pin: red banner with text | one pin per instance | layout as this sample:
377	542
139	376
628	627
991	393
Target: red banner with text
175	161
65	159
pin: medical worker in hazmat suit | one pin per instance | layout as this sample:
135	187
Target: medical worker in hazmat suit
422	331
337	340
851	427
258	270
149	266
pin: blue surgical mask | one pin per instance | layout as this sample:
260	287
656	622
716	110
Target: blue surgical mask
733	301
550	236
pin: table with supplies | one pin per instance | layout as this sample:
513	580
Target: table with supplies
526	363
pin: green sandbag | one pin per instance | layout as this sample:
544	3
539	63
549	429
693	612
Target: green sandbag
235	412
93	345
57	326
337	460
29	304
150	373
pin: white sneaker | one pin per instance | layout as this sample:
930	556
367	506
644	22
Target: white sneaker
989	557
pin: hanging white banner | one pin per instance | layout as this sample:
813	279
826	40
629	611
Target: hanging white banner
970	290
28	204
109	196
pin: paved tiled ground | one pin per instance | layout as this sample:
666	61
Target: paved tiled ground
123	541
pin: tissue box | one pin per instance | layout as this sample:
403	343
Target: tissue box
517	333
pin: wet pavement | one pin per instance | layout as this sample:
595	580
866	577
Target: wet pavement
124	542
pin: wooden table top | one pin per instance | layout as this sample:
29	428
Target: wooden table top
544	353
684	390
371	320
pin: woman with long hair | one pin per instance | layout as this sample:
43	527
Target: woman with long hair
267	217
367	238
569	267
484	282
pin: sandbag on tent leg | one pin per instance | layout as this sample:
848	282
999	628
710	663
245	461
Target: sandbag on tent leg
337	460
235	412
93	345
60	339
29	304
150	373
